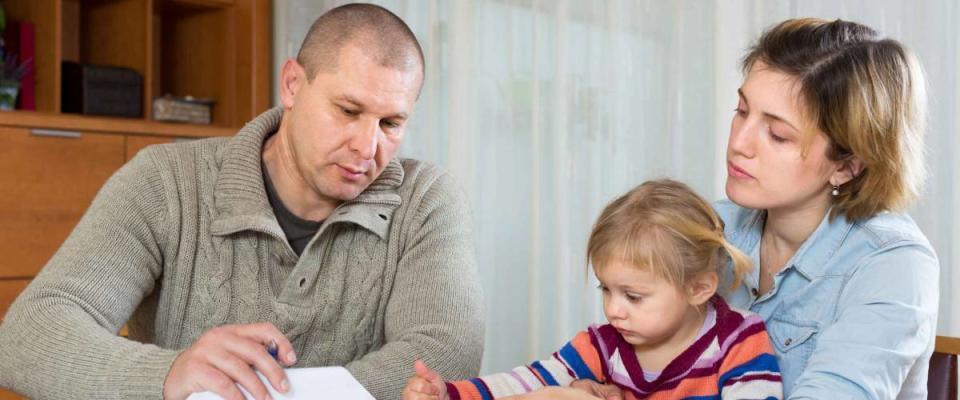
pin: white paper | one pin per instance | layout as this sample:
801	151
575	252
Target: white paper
308	383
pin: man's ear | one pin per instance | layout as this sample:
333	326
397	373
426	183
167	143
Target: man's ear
292	78
847	169
702	287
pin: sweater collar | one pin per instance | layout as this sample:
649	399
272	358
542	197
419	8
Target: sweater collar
240	197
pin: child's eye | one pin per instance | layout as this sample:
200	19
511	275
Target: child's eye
603	288
633	298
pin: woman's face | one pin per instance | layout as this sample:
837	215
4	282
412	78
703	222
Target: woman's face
768	164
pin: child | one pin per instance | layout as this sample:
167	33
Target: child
657	252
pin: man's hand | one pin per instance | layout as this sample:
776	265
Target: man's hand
425	385
606	392
226	356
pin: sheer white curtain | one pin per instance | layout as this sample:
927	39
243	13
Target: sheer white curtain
545	110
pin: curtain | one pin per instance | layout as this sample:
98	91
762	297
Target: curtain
545	110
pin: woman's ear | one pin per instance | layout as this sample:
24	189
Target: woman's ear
292	78
848	168
702	287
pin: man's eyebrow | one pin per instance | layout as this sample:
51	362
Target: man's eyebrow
357	103
349	99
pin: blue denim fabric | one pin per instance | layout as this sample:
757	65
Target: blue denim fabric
853	314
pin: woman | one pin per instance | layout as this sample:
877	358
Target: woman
825	151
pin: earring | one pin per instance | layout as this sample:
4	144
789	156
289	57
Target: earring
836	191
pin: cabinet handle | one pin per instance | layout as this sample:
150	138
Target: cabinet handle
55	133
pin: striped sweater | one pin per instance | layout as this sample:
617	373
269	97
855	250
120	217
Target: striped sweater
731	359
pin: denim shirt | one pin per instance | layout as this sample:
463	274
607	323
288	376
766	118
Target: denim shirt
853	313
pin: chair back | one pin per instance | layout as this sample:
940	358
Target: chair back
942	378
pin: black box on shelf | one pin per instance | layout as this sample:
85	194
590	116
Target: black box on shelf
101	90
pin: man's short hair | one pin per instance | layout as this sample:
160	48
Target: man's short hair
380	33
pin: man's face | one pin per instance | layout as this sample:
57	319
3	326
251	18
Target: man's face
347	124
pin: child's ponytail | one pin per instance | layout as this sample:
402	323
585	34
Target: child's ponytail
741	263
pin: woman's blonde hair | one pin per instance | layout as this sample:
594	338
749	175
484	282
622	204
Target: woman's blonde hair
867	93
666	228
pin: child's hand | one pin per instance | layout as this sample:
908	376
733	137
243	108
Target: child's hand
425	385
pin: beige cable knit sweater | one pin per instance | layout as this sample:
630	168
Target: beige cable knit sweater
183	239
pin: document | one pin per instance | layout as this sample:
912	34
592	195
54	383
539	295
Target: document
309	383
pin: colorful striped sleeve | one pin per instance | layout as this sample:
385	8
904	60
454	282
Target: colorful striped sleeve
749	369
578	359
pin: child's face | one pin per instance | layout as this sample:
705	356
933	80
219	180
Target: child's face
647	310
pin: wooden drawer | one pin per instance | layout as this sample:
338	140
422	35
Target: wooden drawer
9	289
48	183
136	143
8	395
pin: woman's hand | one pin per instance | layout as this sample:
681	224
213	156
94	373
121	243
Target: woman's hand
606	392
583	389
556	393
425	385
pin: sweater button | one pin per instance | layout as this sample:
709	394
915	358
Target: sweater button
755	292
787	342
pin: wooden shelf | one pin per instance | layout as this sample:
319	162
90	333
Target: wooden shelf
204	3
74	122
216	49
947	344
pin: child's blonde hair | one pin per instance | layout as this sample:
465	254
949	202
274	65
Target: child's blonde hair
665	227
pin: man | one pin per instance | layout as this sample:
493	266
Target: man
302	232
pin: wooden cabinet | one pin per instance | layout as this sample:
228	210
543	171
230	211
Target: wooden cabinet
50	177
216	49
52	164
9	288
8	395
51	167
136	143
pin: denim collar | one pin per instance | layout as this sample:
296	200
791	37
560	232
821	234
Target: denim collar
812	259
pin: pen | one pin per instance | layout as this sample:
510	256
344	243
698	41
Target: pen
272	349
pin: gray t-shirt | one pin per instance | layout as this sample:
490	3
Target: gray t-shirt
298	230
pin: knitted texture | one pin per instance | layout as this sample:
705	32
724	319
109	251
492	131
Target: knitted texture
183	239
